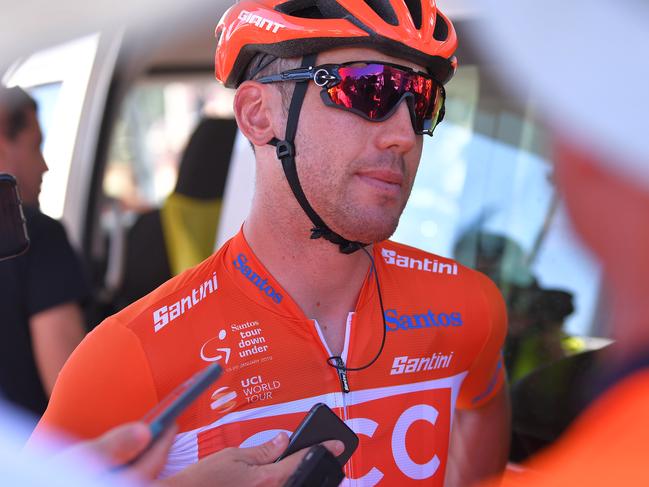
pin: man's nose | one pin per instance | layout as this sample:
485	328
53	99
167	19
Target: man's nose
397	131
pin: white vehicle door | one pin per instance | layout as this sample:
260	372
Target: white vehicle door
70	82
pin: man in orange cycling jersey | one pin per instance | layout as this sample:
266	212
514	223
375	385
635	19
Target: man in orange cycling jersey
309	302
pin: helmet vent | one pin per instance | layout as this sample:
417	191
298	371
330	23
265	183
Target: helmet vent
384	10
441	29
414	6
305	9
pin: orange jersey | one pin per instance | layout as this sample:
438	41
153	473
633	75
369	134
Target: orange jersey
445	327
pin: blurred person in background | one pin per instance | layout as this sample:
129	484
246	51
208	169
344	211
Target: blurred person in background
536	334
588	66
42	290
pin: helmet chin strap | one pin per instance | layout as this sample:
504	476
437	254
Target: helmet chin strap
285	150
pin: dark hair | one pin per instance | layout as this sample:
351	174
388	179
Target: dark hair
265	65
14	106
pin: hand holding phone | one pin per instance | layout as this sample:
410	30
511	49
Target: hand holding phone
319	425
166	411
163	415
318	469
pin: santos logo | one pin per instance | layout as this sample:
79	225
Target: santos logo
252	276
395	322
165	315
434	266
259	21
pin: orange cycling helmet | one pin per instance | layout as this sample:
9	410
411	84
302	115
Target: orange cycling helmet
410	29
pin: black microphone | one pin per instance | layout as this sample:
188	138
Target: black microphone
14	239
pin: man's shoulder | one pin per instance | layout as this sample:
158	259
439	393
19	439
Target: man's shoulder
425	272
39	224
412	261
174	296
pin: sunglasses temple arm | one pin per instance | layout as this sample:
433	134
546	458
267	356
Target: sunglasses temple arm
300	74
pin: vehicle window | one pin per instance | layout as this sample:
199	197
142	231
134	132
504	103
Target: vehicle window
58	78
155	121
141	228
485	195
47	97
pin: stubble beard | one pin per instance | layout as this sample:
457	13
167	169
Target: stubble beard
356	221
367	220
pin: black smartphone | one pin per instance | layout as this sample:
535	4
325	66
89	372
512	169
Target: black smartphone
318	469
166	411
13	228
321	424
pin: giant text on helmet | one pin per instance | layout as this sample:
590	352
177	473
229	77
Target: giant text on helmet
259	21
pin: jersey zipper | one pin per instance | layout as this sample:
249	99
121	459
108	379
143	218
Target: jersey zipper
342	375
339	361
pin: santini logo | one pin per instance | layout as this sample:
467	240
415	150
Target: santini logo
395	322
391	257
252	276
259	21
165	315
409	365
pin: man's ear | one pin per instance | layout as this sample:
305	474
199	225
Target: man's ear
253	109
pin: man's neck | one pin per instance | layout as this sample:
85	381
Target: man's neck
320	279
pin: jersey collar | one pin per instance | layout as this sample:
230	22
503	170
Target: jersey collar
254	280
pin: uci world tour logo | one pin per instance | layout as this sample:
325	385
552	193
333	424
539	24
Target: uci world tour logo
223	400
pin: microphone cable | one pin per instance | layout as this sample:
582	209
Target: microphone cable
337	358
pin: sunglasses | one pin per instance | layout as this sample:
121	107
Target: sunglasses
374	90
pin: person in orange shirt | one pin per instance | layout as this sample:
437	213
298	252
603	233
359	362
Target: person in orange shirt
310	302
590	69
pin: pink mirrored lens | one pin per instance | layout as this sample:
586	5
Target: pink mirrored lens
376	89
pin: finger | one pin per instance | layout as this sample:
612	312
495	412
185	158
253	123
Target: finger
119	445
266	452
153	460
284	469
335	447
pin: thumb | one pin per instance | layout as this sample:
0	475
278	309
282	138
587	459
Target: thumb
266	452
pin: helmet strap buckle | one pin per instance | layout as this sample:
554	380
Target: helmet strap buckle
284	149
